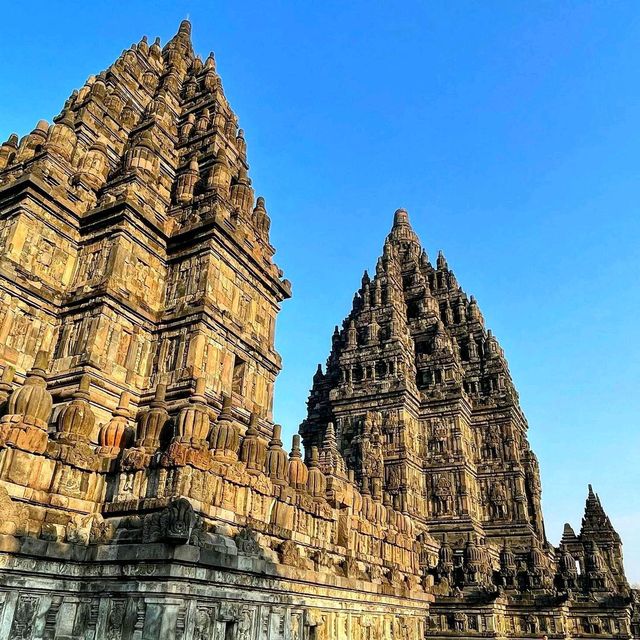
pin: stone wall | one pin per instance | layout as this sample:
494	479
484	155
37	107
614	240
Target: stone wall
213	592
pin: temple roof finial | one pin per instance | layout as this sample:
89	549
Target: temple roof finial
402	232
185	27
400	217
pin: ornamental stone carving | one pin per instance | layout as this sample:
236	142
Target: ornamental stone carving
144	488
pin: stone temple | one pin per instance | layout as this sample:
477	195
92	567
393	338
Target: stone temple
144	489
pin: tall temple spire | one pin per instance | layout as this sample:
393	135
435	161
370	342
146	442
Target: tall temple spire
418	402
147	148
414	353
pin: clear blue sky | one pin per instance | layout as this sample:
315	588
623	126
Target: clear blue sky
509	130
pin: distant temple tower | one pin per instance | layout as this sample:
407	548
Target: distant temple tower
417	404
416	379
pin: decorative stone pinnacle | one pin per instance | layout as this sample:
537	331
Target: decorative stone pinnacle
401	216
252	429
295	447
225	413
8	374
83	387
199	392
159	395
277	432
122	409
41	363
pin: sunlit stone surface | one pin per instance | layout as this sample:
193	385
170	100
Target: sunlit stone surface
144	489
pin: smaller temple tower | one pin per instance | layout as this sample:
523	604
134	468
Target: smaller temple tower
597	549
